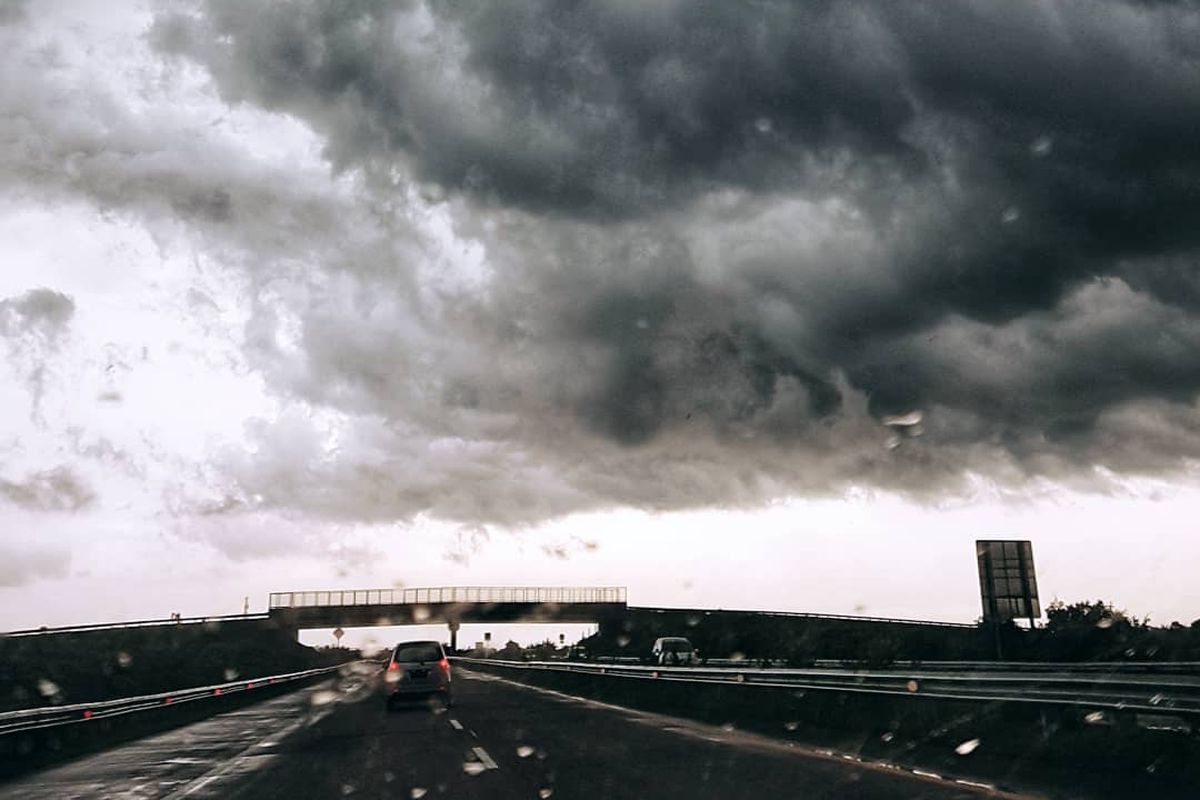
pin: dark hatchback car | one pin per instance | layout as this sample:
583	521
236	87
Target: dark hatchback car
417	671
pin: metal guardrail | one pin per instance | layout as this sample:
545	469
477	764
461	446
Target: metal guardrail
30	719
1103	667
448	594
1090	667
1176	695
141	623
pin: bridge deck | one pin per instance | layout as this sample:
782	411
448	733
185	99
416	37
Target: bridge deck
445	604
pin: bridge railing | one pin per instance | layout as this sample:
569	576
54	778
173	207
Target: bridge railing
449	594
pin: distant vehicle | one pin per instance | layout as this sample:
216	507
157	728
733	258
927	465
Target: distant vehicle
674	650
578	652
417	670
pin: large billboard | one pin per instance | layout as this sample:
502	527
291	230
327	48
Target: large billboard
1007	582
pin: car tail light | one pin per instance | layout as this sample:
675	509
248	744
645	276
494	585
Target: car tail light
393	667
444	664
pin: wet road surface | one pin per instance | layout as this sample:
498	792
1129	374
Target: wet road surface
500	740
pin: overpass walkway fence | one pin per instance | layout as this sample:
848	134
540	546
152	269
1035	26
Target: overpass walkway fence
448	594
1173	695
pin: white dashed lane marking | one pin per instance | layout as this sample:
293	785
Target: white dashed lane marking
456	725
484	758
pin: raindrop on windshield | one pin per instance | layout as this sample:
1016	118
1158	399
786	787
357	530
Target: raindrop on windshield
417	793
1041	146
124	660
967	747
904	420
1010	215
524	751
473	767
545	792
231	674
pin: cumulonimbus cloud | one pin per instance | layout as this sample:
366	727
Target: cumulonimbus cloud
713	248
58	489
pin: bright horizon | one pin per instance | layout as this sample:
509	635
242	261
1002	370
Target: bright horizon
470	328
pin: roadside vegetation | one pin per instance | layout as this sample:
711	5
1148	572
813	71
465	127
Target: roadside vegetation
100	665
1072	632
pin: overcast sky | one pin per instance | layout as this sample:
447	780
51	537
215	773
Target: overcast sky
763	304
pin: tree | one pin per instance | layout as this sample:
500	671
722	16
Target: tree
1102	615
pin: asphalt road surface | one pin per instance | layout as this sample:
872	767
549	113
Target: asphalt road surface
500	740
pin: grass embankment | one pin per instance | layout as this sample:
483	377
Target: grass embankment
100	665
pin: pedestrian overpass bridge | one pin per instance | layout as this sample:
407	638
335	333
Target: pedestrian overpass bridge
452	605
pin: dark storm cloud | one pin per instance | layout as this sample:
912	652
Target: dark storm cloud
722	243
22	563
12	11
34	325
42	312
58	489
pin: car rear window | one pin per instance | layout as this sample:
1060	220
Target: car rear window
418	651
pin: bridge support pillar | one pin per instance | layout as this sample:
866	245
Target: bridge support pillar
454	626
286	622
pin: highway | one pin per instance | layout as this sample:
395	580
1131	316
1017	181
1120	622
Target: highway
500	740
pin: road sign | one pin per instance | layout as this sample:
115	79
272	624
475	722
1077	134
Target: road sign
487	637
1007	583
338	633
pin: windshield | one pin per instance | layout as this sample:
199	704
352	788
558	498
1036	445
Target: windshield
747	398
